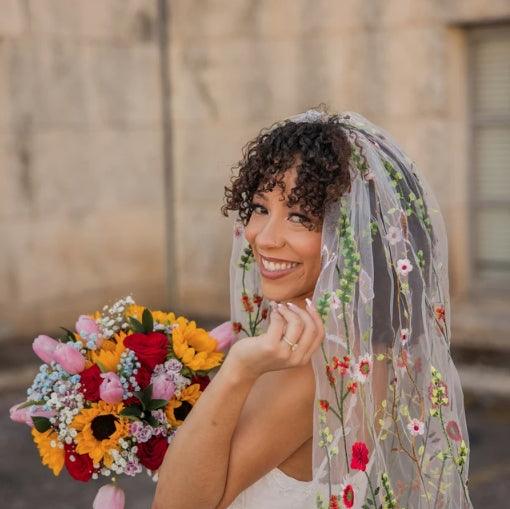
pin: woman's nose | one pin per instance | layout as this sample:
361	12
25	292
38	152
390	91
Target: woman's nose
271	235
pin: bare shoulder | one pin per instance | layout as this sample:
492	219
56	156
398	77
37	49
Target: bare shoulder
275	421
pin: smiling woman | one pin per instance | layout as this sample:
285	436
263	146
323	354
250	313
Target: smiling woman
345	395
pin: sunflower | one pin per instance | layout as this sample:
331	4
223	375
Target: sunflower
194	346
136	311
53	457
179	407
99	429
108	356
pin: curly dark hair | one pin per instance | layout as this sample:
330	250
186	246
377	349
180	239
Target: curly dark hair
321	152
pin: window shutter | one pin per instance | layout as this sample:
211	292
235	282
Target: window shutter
490	78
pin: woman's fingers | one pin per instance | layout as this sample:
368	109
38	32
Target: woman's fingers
320	332
308	335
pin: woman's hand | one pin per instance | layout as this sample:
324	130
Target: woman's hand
253	356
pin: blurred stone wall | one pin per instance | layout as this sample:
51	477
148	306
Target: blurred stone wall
81	200
83	193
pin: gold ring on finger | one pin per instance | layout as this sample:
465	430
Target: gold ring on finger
292	345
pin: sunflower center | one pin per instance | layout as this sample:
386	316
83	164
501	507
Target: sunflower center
181	412
103	426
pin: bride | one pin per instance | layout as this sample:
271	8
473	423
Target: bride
340	390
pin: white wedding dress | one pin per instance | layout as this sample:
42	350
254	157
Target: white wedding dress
276	490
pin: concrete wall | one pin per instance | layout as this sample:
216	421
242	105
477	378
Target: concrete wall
82	197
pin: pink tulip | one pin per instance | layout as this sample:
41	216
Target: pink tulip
111	389
88	329
109	496
224	334
20	414
162	387
24	415
69	358
44	347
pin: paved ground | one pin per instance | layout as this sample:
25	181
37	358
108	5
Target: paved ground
25	483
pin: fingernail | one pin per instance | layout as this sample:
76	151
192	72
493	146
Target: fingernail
291	305
280	306
308	302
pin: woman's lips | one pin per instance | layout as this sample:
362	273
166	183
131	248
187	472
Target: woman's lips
275	274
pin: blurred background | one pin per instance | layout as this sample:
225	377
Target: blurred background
121	119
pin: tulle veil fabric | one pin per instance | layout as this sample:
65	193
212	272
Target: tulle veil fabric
389	425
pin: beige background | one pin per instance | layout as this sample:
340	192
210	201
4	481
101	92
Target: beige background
102	193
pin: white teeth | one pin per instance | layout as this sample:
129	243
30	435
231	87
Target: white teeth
277	266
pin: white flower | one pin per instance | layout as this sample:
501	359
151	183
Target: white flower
334	301
404	336
362	368
404	266
394	235
416	427
365	286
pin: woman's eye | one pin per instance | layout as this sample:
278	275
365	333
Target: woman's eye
255	206
300	218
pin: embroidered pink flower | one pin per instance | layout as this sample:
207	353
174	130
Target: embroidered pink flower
453	431
347	495
416	427
334	301
359	458
404	336
404	266
394	235
362	368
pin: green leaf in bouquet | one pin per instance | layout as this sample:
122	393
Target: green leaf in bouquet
31	402
144	396
131	411
147	321
151	420
136	325
156	404
70	335
41	424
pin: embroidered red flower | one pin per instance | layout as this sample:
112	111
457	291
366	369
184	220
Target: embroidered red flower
324	404
237	327
248	307
257	299
90	380
151	349
79	466
359	458
264	314
342	365
152	452
333	502
330	376
348	495
351	387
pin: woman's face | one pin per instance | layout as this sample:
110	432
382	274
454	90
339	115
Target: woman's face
287	253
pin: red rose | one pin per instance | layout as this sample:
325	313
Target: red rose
90	380
202	380
143	377
152	452
80	466
359	456
151	349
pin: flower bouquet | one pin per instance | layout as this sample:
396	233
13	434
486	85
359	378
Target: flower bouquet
110	395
